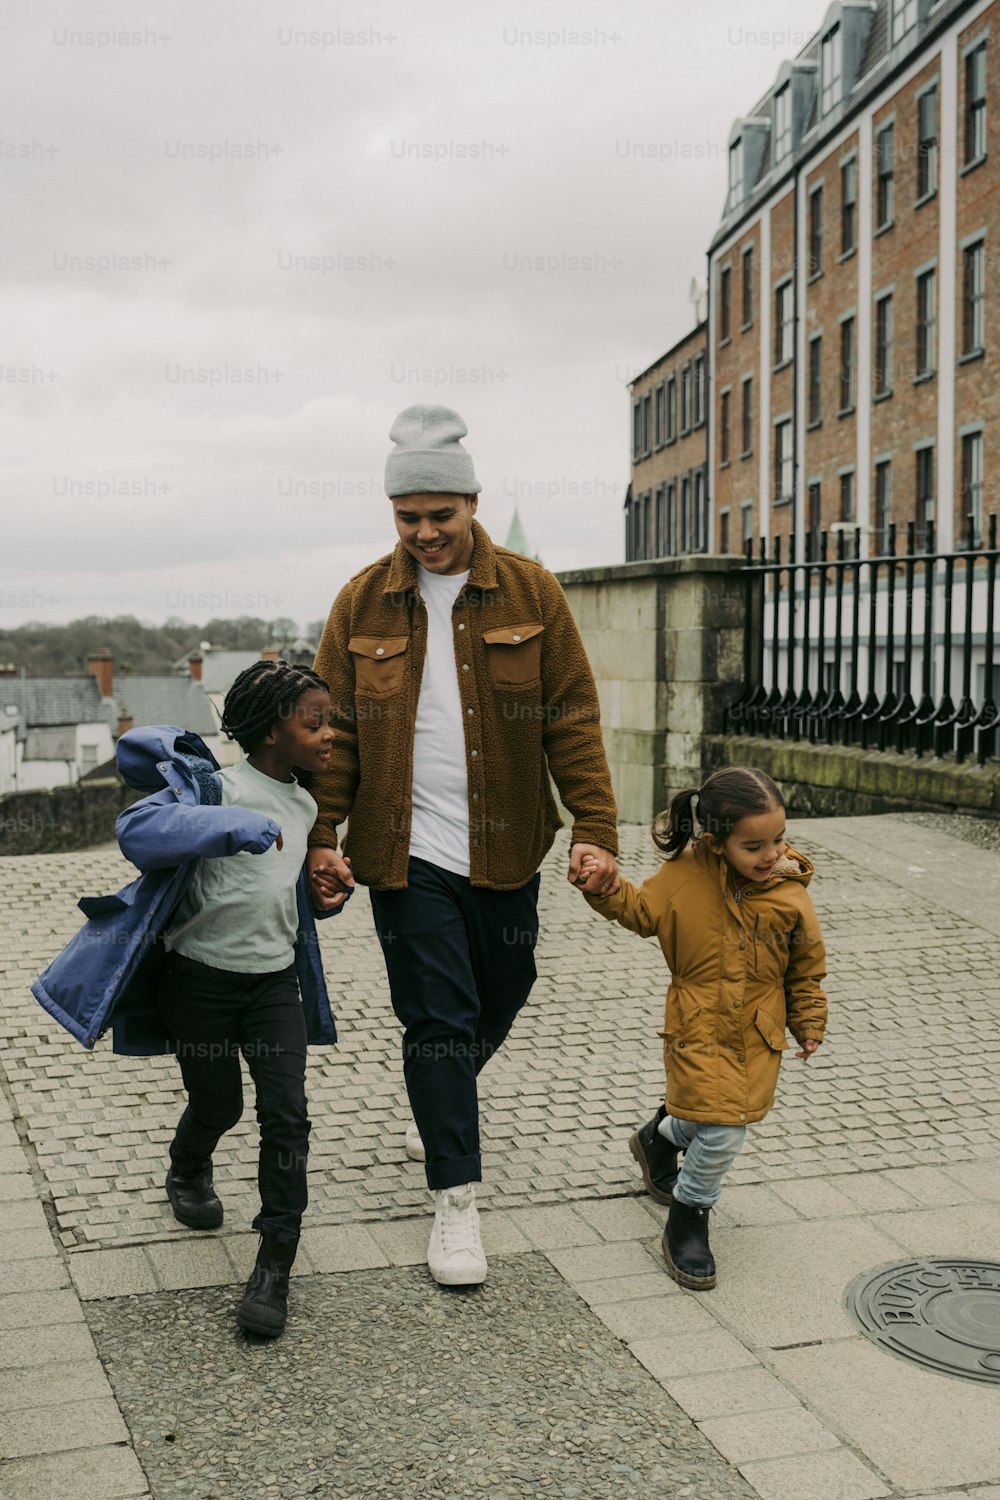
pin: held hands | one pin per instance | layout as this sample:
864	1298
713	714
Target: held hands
328	878
594	871
808	1048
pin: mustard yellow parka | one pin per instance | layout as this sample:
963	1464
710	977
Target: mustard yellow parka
744	963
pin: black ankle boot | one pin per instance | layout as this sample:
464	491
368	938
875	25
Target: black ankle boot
657	1158
685	1246
264	1308
193	1200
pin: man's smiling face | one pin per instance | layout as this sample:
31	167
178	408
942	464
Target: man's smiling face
436	529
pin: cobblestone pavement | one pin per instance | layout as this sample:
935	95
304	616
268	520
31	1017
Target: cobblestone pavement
885	1147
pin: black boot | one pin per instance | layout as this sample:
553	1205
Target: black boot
193	1200
657	1158
265	1302
685	1246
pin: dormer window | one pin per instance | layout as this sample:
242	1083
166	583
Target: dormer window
831	70
904	18
782	125
735	198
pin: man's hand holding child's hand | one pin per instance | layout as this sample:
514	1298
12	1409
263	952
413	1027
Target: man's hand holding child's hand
808	1048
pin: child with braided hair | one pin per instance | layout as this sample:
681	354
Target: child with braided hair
229	986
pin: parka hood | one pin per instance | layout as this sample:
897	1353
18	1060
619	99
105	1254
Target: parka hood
791	866
143	753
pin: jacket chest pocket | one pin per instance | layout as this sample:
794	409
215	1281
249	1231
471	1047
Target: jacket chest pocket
514	653
379	663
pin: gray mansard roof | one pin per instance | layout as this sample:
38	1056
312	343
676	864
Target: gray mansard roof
46	701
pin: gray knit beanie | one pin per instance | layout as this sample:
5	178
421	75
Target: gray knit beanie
428	458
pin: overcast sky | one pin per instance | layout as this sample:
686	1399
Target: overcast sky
353	208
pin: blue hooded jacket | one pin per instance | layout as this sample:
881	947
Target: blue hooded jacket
109	970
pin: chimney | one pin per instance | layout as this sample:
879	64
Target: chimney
125	723
100	664
270	653
194	665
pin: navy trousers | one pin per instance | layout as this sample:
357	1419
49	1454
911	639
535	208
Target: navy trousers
461	963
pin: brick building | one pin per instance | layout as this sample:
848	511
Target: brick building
849	363
666	508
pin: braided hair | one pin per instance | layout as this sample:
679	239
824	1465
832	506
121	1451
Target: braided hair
727	796
262	694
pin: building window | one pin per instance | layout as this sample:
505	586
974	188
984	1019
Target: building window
747	418
885	193
699	389
904	18
816	231
816	380
831	69
658	510
746	522
814	518
782	127
700	511
735	175
748	286
647	423
883	504
725	304
847	497
724	404
783	477
636	431
783	323
847	365
926	323
660	413
924	509
723	531
669	540
849	206
647	524
975	104
685	399
974	299
927	149
972	485
686	513
88	758
671	404
883	346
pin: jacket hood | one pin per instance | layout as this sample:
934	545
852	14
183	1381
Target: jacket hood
142	753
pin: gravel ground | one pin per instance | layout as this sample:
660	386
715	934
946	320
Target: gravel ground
985	832
384	1384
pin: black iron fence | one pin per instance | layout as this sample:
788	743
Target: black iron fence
873	651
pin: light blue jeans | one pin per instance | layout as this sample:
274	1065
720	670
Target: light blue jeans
709	1152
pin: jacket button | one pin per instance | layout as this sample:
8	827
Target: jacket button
473	753
742	1117
737	1004
517	638
465	666
680	1044
461	626
740	1057
742	946
470	711
379	650
475	796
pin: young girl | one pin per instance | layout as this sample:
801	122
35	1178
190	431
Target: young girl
745	953
229	985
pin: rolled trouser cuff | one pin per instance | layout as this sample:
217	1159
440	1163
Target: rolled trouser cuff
454	1172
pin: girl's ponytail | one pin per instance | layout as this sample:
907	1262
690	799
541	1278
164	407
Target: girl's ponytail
674	829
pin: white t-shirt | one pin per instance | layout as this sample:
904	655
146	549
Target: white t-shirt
239	912
440	827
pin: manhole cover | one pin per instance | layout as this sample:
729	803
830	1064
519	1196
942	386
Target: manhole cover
943	1314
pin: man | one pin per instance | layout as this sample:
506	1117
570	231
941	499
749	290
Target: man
459	683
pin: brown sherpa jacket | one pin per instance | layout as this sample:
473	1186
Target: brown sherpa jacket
530	708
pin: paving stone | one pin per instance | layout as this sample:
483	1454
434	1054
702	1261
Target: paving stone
816	1199
32	1309
16	1186
53	1385
190	1262
596	1262
34	1275
53	1429
405	1244
56	1343
349	1248
705	1396
626	1289
835	1475
769	1434
554	1228
654	1317
691	1354
25	1244
615	1218
86	1474
755	1205
965	1229
112	1273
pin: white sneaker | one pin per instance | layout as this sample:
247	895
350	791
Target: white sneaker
455	1254
414	1145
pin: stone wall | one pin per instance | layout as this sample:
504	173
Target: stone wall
66	817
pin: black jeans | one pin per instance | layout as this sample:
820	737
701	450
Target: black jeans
215	1016
461	963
